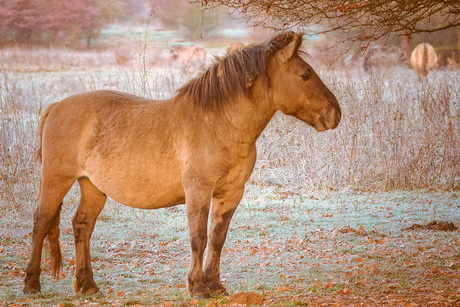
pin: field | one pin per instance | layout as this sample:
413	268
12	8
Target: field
336	218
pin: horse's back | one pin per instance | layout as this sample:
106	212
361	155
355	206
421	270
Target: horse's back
70	122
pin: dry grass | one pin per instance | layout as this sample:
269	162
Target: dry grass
397	132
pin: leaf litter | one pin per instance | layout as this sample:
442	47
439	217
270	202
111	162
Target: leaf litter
342	250
434	225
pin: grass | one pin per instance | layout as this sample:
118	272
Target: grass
323	215
280	248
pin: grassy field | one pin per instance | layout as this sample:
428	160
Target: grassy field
324	217
290	249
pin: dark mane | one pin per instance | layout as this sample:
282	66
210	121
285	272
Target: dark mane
234	74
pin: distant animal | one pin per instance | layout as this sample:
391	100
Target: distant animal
194	56
234	47
452	64
197	148
446	53
369	61
423	58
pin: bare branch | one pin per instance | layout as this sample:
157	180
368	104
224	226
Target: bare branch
361	20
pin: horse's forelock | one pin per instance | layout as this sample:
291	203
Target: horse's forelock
234	74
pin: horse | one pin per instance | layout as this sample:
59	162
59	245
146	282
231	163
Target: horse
194	56
423	58
197	148
369	58
452	64
235	47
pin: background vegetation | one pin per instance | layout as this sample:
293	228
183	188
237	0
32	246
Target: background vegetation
398	131
78	23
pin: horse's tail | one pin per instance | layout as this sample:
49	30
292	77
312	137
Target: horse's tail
45	114
53	234
55	249
425	59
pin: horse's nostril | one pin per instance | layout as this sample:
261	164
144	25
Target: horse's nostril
338	116
333	117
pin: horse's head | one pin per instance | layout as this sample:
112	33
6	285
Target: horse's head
296	89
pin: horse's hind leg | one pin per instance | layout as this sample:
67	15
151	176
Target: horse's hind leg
91	203
45	217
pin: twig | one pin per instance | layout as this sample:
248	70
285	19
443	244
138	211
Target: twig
454	302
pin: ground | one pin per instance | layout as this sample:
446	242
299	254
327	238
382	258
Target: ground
283	248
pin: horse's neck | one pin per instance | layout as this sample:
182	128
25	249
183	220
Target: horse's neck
244	121
239	122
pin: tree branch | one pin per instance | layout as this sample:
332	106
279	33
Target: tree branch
361	20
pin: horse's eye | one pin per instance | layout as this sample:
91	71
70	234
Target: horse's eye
306	75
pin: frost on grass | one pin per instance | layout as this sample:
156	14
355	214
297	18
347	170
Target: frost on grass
343	248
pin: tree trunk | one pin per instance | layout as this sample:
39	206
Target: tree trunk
404	41
458	45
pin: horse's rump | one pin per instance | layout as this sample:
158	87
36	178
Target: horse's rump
235	47
423	58
189	55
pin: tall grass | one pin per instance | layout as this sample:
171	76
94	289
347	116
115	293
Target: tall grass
397	131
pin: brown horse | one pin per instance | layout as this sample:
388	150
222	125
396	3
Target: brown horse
423	58
189	56
235	47
197	148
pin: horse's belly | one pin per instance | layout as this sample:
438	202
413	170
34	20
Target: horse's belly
148	199
141	190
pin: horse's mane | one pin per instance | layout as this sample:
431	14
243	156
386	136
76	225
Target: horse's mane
234	74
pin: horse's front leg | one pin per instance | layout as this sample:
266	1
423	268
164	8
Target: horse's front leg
197	207
222	210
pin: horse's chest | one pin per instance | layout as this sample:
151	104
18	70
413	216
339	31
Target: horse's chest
236	171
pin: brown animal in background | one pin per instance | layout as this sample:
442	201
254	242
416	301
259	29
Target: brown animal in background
234	47
197	148
189	56
445	53
452	64
423	58
369	61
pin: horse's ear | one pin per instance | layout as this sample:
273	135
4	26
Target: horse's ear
291	48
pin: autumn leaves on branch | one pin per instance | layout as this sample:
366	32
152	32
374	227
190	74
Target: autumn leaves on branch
361	20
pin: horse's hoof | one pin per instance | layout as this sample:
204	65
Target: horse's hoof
202	296
30	291
220	292
91	291
217	288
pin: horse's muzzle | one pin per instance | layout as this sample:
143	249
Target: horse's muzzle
330	118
